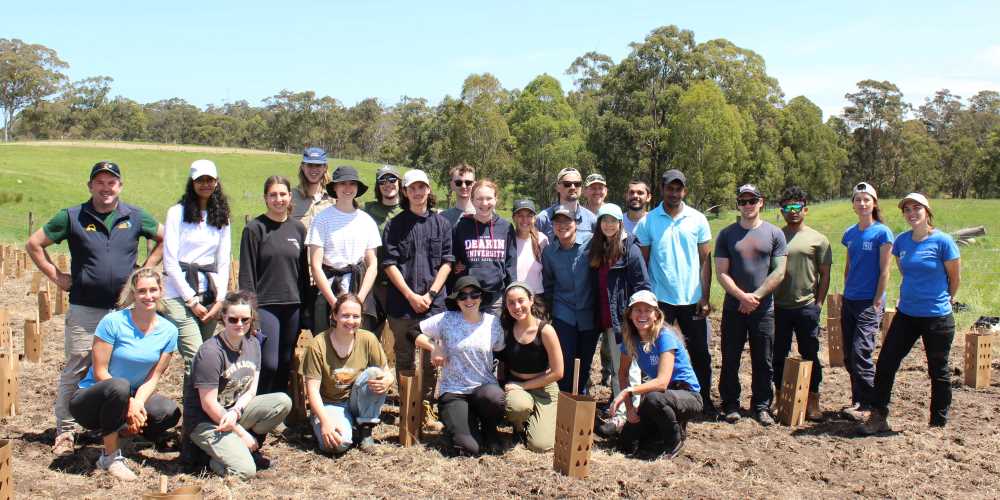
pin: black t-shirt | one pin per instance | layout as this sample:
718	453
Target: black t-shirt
750	253
217	366
273	260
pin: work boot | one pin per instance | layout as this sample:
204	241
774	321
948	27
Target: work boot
117	466
877	423
65	444
611	427
813	411
763	417
431	422
366	442
856	412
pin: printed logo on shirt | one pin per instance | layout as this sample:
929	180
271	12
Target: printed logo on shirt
867	246
124	224
90	228
294	243
902	254
484	249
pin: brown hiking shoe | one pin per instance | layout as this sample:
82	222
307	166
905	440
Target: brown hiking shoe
813	411
877	423
65	445
431	422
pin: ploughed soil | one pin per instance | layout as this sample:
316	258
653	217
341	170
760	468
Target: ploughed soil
720	460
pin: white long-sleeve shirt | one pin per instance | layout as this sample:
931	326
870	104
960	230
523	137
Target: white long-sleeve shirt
200	244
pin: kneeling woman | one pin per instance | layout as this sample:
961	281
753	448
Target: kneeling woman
347	376
132	348
471	403
670	397
225	416
533	362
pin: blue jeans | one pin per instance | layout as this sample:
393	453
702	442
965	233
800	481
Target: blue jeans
575	343
363	407
859	321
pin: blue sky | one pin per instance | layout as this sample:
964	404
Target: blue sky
218	51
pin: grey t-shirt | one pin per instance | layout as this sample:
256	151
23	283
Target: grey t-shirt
750	252
453	214
217	366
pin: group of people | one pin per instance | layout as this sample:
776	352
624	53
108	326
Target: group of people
493	312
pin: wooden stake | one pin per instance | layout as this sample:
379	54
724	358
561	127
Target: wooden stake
576	375
163	484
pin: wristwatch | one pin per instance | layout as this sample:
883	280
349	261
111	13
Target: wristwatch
433	294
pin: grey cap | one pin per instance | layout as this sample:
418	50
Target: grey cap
385	170
749	188
561	210
674	175
524	205
592	178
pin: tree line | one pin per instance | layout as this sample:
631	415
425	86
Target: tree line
708	108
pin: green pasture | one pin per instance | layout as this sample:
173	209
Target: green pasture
43	179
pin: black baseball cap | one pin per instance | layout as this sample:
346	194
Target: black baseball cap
105	166
674	175
524	205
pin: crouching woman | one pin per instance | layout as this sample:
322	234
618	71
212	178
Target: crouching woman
132	348
671	396
347	377
226	417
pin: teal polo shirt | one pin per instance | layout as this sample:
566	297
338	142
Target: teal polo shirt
674	266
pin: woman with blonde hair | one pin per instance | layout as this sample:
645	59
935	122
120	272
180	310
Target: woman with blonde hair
485	245
132	348
671	395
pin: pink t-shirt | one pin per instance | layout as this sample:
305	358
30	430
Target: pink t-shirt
529	269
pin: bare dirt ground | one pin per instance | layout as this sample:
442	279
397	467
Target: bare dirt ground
720	460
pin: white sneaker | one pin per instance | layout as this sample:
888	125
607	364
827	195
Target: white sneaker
117	466
64	445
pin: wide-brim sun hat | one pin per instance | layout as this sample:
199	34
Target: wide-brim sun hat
463	283
343	174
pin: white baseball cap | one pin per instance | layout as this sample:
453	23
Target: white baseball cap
917	197
644	296
864	187
415	175
204	167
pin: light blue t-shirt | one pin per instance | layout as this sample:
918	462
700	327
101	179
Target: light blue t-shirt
924	290
674	266
133	354
863	256
649	362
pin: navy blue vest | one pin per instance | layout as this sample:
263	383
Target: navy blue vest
102	260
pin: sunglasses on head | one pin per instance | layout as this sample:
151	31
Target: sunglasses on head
460	183
569	184
475	294
792	207
747	201
235	320
387	180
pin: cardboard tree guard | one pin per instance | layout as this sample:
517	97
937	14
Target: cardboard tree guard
574	431
794	393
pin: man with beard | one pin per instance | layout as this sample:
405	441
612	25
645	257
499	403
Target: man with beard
597	191
568	184
674	239
637	198
310	195
385	207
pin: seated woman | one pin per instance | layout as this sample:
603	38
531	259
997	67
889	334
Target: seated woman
471	403
223	412
671	395
132	348
533	363
347	376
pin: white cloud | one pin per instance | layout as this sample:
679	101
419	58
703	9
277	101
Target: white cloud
990	56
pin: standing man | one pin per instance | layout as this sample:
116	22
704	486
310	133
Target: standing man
568	184
750	264
418	259
597	191
310	195
463	176
103	235
798	301
385	207
637	198
675	241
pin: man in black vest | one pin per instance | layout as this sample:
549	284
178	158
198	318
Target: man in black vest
103	235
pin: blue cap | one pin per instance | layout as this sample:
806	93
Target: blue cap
315	156
610	209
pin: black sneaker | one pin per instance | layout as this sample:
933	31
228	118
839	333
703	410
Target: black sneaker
611	427
652	450
732	415
938	422
710	413
366	442
764	418
677	447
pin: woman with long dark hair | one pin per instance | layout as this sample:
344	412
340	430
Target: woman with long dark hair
619	271
866	276
931	266
273	268
529	243
196	242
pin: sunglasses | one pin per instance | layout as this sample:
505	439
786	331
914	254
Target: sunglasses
747	201
569	184
387	180
460	183
474	295
792	207
234	320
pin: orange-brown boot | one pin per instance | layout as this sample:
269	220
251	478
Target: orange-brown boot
813	411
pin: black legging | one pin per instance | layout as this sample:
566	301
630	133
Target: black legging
469	418
279	328
662	415
103	405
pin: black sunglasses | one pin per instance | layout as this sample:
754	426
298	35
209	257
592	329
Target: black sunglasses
474	295
747	201
466	183
233	320
387	180
569	184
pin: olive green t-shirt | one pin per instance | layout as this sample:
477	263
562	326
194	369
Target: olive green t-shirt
57	228
381	213
808	249
322	362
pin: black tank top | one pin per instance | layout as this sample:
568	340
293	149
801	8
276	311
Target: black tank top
525	358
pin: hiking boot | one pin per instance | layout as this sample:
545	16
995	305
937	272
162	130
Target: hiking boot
763	417
261	461
117	466
677	447
710	413
938	422
652	450
628	439
611	427
492	444
813	411
732	415
65	445
877	423
366	442
856	412
431	422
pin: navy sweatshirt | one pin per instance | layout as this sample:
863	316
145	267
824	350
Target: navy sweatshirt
488	252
